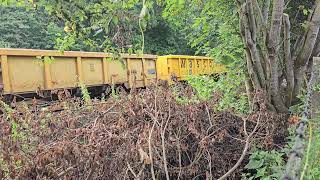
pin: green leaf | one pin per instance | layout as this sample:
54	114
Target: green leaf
143	12
48	60
130	51
254	164
107	59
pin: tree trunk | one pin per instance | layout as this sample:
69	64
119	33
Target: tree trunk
315	97
267	44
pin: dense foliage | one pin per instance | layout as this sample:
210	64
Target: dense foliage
111	27
21	28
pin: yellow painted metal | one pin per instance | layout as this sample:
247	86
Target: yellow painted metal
5	74
105	67
92	71
150	69
47	72
136	72
26	74
64	72
129	73
79	69
36	52
117	72
182	66
144	73
22	71
162	68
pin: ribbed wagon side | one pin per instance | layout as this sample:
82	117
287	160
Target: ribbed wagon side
180	67
29	71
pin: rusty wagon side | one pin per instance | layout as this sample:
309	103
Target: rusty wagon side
28	71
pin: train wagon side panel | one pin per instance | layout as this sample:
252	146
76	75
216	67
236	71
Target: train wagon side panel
183	66
93	71
198	66
117	72
135	72
141	71
173	64
27	71
24	74
162	68
150	71
184	70
206	66
63	71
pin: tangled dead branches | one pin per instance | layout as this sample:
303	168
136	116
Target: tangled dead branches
143	135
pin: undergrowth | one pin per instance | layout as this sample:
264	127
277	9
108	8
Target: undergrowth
269	165
262	164
228	89
135	136
311	168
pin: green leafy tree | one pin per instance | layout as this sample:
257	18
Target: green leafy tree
165	37
22	28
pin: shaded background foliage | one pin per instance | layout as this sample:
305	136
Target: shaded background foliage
90	26
21	28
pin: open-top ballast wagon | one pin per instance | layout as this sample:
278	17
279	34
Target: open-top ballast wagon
28	71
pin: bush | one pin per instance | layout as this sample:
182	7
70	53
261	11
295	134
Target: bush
229	89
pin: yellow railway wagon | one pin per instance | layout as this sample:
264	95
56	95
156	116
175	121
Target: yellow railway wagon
28	71
180	67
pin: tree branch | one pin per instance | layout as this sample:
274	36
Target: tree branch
251	40
307	48
288	59
265	12
242	23
273	42
311	37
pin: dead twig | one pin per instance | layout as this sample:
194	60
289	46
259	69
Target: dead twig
150	137
244	152
163	144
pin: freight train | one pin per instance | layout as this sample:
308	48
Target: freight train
30	71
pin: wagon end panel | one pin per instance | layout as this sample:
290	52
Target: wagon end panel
163	69
135	72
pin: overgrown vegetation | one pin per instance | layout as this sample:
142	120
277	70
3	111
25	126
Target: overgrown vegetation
200	131
146	134
228	89
311	169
